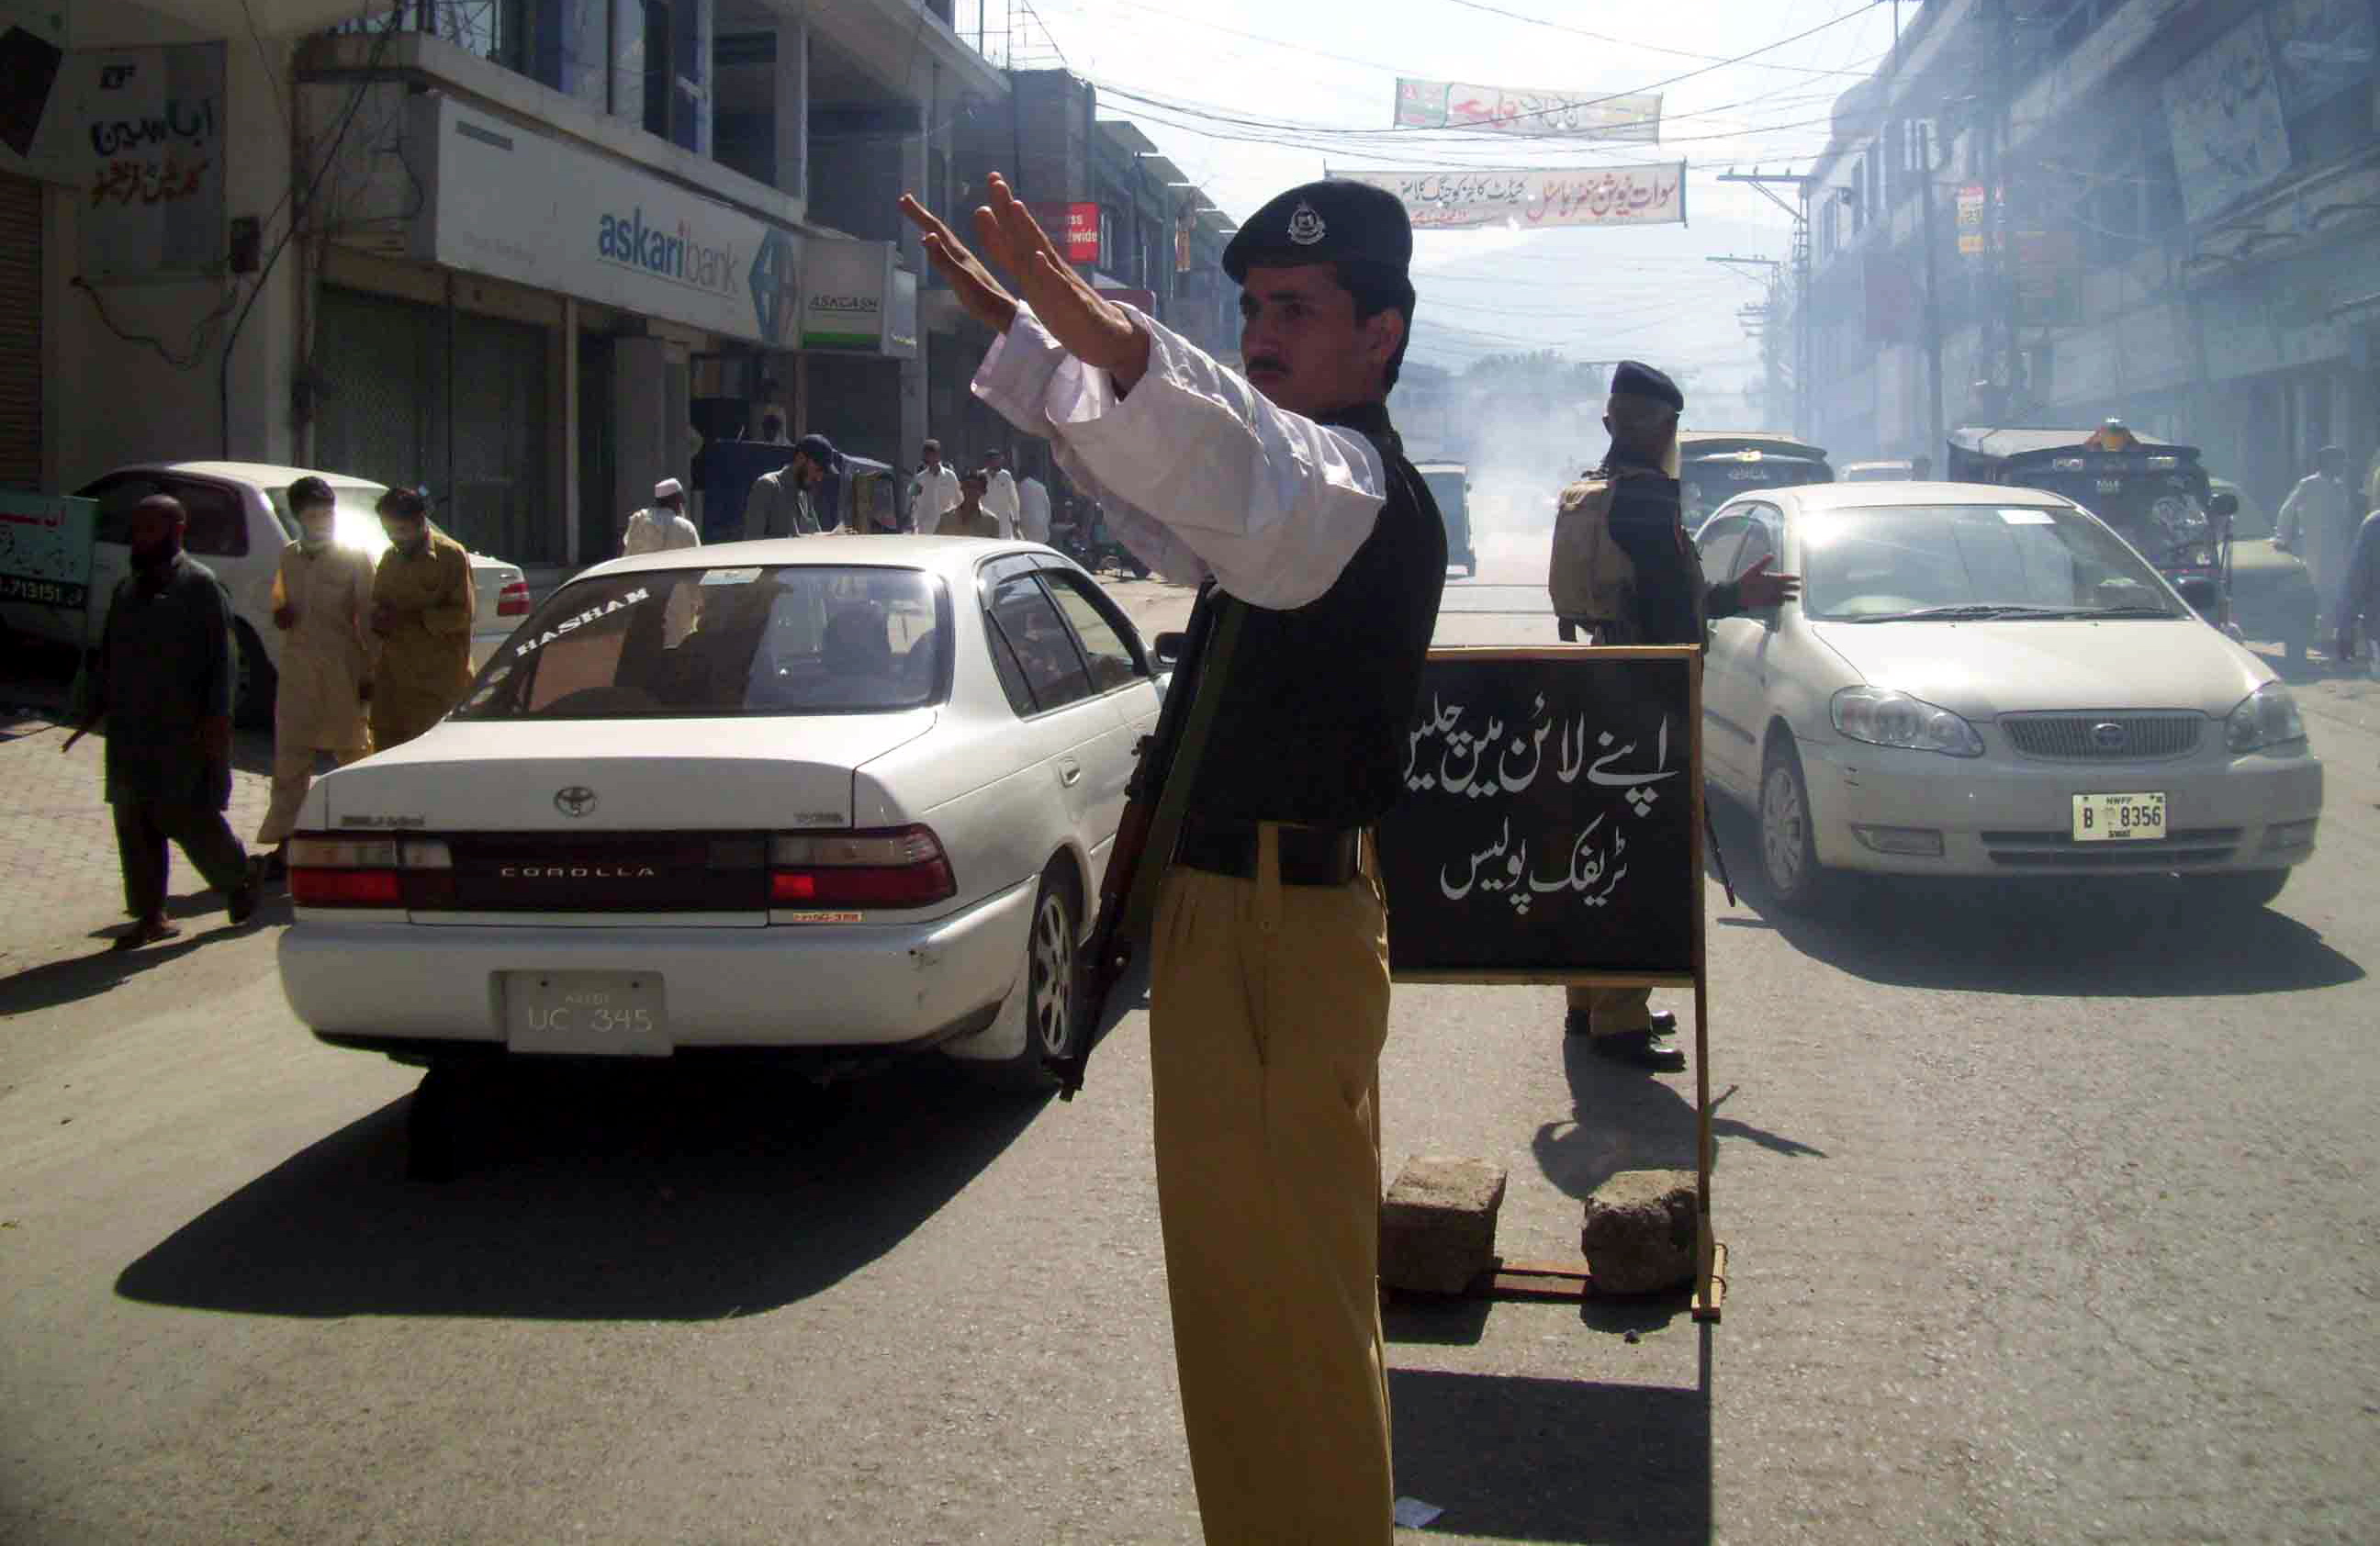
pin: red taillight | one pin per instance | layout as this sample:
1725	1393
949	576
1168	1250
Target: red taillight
897	868
513	601
368	872
309	887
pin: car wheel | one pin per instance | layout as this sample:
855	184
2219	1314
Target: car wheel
1054	998
253	703
2236	890
1788	854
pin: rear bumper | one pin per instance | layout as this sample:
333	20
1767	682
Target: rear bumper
2008	817
390	985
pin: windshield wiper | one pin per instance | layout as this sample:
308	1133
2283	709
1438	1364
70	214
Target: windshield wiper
1970	611
2070	612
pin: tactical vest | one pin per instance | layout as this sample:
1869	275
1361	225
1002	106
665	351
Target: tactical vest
1318	700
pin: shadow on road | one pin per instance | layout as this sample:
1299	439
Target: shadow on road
2083	938
1623	1120
610	1194
1511	1458
201	914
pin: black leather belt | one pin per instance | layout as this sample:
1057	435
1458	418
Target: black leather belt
1309	855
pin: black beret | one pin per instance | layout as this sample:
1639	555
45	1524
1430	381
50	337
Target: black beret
1335	220
1631	379
818	449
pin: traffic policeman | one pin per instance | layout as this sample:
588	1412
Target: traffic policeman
1287	488
1624	573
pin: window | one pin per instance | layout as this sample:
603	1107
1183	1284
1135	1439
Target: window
1113	659
1050	669
116	496
1759	543
797	639
1717	543
218	519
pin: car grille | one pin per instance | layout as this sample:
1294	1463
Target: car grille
611	871
2182	848
2103	737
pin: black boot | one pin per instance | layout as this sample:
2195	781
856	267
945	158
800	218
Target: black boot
1637	1049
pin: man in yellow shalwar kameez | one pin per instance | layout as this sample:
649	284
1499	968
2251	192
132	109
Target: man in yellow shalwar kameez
421	615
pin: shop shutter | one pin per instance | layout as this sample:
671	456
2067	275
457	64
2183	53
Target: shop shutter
21	334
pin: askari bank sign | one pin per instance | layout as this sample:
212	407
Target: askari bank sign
514	204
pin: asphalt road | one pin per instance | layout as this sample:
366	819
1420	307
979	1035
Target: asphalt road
2050	1219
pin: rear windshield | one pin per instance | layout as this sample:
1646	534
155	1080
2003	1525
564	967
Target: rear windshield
1707	485
1446	488
711	642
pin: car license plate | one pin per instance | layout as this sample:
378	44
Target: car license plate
615	1014
2118	818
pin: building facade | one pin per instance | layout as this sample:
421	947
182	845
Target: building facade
2161	210
531	254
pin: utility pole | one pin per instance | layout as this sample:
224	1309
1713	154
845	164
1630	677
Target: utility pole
1758	325
1927	239
1801	262
2002	255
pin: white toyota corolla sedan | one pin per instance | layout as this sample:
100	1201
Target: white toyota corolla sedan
1988	681
842	795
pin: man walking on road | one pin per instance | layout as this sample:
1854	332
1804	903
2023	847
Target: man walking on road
322	604
1624	572
1033	510
1000	491
164	680
969	517
2318	522
1287	488
933	490
422	612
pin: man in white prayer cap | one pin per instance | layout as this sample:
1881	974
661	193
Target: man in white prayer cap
662	527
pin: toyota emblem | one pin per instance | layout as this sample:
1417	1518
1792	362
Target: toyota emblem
575	801
2107	736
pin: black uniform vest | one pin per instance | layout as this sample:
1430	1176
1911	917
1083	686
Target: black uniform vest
1318	701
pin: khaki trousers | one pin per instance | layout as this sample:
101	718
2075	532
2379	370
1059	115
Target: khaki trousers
1268	1005
1612	1011
292	775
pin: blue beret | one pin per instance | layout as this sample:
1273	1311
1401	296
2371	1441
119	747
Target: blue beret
1335	221
1631	379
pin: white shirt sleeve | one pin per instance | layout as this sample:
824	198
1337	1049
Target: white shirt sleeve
1196	471
641	536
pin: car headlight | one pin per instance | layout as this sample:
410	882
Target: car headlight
1883	718
2267	717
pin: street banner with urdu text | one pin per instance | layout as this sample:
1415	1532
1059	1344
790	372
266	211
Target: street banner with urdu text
1528	112
1599	196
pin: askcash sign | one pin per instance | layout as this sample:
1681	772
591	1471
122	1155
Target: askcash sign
506	201
855	300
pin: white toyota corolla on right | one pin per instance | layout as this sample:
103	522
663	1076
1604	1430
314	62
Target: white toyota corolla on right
1985	680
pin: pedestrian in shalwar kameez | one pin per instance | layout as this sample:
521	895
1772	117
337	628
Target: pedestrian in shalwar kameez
321	603
422	612
1623	572
1287	491
663	528
164	680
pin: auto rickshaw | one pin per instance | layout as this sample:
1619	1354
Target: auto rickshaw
2152	492
1714	465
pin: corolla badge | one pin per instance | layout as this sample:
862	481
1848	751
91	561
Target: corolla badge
2108	736
575	801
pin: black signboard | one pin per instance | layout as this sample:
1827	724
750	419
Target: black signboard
1551	826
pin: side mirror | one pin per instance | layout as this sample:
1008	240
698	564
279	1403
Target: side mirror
2201	592
1168	649
2224	503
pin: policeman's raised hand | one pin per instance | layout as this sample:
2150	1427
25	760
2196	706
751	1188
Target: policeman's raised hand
978	291
1757	589
1094	331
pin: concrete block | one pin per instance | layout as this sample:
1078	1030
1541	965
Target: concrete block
1438	1224
1639	1232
